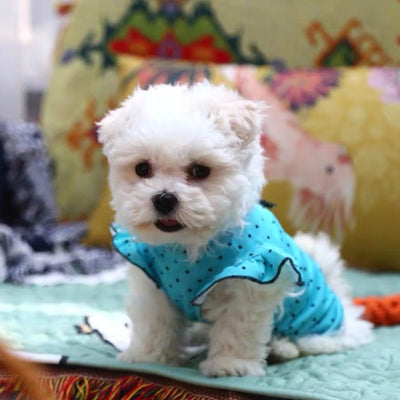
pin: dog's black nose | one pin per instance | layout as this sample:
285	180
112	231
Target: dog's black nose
164	202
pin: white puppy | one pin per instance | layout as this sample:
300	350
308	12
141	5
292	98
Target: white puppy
186	172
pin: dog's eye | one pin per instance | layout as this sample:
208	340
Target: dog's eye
198	171
143	169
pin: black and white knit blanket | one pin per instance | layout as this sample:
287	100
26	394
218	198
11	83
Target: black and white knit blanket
32	242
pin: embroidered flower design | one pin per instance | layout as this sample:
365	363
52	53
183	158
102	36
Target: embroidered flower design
303	87
82	135
203	49
388	81
192	33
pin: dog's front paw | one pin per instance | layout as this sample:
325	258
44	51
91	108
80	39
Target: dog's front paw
229	366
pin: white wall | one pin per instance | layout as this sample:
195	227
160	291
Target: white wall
11	90
28	30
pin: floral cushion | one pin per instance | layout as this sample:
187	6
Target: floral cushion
85	80
332	138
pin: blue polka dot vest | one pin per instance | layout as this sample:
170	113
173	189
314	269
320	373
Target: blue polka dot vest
261	252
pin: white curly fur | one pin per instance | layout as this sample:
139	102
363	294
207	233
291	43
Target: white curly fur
173	127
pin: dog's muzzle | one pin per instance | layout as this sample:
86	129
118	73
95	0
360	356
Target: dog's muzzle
165	203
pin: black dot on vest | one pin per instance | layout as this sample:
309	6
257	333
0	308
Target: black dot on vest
199	280
293	315
146	250
264	263
129	254
297	301
229	244
270	251
219	257
287	244
268	237
332	319
296	332
312	305
314	319
162	255
318	287
177	280
249	235
187	272
176	261
167	268
273	222
240	246
243	267
290	327
126	241
257	226
184	252
209	269
251	255
190	290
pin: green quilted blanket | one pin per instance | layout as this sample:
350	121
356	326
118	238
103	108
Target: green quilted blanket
85	324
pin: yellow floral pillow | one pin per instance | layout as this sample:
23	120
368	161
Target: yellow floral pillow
332	137
363	114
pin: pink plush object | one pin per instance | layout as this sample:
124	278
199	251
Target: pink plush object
320	172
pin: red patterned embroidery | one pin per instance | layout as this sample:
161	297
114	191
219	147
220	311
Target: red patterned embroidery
133	43
203	49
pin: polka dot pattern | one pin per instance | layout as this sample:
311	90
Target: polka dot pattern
261	252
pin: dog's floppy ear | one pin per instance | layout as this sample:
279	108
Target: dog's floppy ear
241	117
110	127
117	121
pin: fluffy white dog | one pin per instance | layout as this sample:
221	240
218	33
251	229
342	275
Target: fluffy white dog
186	172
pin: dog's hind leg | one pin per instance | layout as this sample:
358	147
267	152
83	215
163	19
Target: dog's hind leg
355	330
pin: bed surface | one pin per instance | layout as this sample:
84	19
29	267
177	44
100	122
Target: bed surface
83	323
